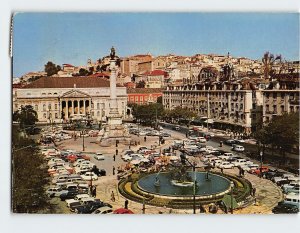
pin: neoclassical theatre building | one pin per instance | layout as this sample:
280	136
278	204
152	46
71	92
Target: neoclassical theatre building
63	98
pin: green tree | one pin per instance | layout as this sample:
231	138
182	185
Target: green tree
180	113
282	133
26	116
141	84
148	113
83	72
29	176
51	68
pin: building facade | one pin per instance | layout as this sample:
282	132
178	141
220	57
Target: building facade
229	106
58	99
143	95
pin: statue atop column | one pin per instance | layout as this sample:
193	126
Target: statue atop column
112	53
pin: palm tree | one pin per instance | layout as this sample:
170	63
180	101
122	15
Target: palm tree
268	61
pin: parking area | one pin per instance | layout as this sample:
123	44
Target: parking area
152	149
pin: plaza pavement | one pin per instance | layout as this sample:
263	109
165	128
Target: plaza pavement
267	193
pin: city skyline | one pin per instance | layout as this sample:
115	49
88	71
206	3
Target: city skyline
75	37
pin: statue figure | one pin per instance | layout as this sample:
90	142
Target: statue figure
112	53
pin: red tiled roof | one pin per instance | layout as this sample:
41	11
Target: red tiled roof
68	82
68	65
156	73
102	74
144	90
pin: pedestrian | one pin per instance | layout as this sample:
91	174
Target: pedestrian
145	139
221	170
113	199
117	151
202	209
253	191
126	204
114	170
114	157
94	191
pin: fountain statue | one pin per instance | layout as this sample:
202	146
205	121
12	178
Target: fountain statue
180	177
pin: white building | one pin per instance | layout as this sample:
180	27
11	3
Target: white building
56	99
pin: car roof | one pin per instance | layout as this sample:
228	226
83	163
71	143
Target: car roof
103	208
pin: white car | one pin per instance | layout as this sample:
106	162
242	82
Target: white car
99	156
55	191
239	162
226	156
238	148
201	139
89	176
82	169
103	210
226	165
249	167
126	158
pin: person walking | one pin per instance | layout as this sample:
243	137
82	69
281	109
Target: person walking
94	192
114	169
253	191
126	204
114	157
113	199
145	139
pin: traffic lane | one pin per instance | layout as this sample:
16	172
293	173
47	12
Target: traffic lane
215	144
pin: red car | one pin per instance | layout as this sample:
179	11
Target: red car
260	169
71	158
86	157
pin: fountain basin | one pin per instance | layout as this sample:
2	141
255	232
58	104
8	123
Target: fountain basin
215	185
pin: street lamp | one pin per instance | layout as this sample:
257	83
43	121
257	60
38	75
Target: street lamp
261	156
231	195
82	133
193	165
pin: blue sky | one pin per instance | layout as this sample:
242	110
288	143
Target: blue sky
75	37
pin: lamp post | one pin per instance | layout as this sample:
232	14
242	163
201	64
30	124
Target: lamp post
82	133
194	190
261	156
231	196
193	165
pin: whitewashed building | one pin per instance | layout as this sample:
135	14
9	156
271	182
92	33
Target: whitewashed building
56	99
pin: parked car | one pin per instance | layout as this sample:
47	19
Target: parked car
103	210
239	162
55	191
89	176
99	156
90	207
238	148
229	142
260	170
68	195
285	208
226	165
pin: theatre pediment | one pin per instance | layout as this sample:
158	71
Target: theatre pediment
75	94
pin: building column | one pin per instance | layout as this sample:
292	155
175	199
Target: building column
67	109
84	106
72	107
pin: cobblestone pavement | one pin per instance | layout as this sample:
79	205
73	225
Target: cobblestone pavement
267	193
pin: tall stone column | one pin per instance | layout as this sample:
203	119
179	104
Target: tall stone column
113	88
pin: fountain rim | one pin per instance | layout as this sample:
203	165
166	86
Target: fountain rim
198	196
